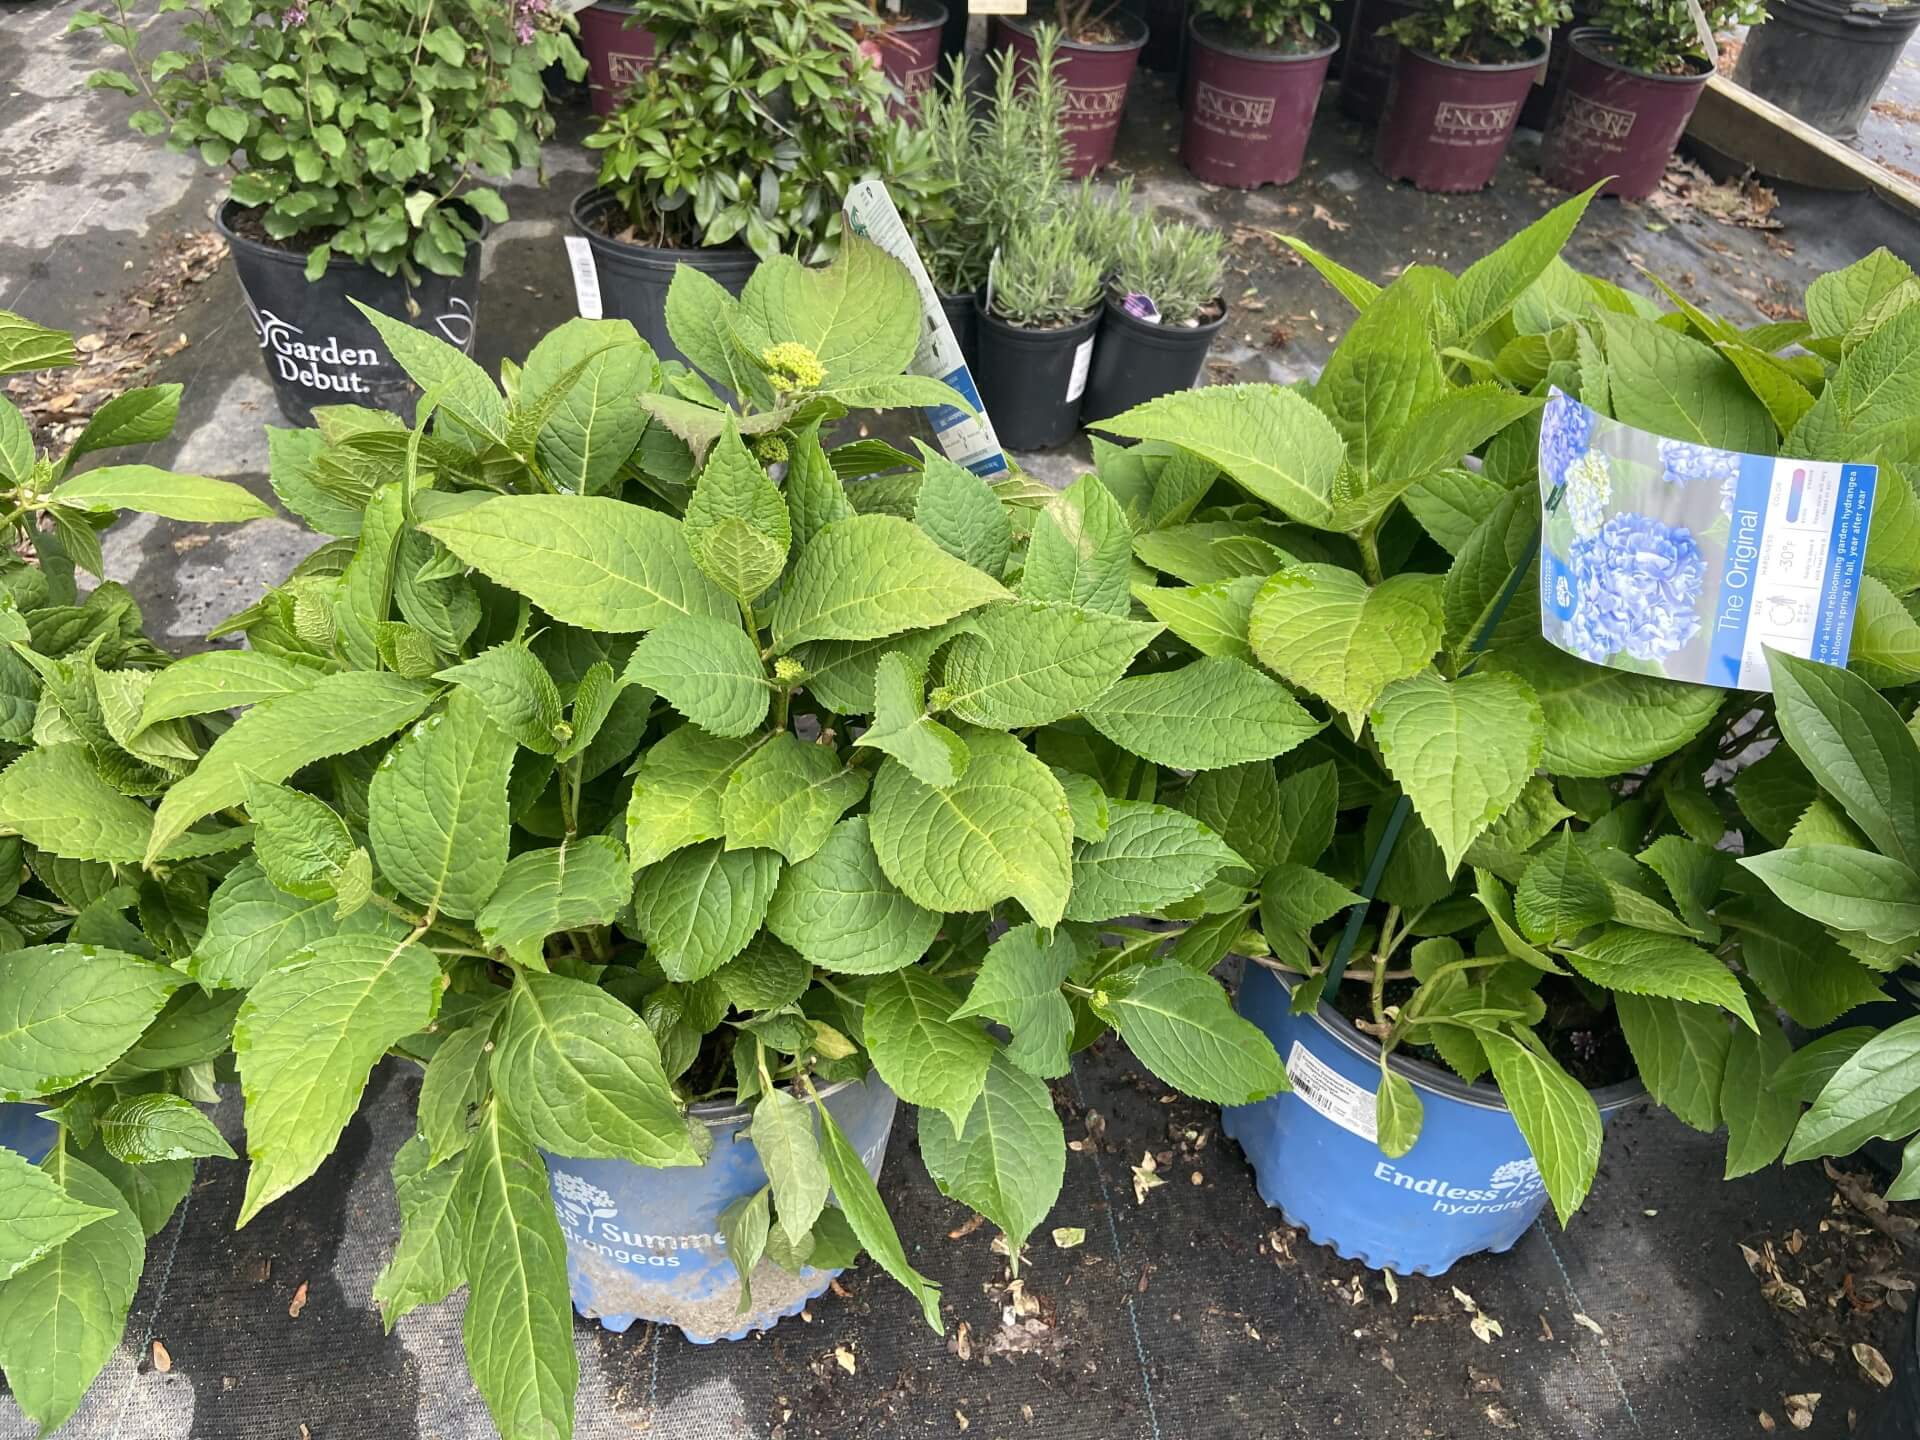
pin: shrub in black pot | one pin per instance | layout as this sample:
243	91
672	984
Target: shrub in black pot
360	138
738	144
1163	308
1037	330
1826	60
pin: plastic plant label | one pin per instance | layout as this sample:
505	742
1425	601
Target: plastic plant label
1668	558
965	439
1326	1090
586	278
1082	363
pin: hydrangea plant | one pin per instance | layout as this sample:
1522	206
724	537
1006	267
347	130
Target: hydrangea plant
366	130
98	1031
625	749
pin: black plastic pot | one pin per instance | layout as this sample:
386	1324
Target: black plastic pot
963	316
1136	360
1031	380
317	348
1898	1414
1825	60
634	278
1539	107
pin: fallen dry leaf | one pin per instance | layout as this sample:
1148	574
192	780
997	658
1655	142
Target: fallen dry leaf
1800	1408
163	1362
299	1302
1145	1178
1326	218
1066	1237
1766	1422
1588	1322
1393	1287
960	1418
966	1227
1873	1363
844	1358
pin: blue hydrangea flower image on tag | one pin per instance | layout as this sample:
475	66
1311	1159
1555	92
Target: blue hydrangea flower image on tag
1672	558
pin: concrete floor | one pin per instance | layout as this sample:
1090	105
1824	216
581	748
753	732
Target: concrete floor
1188	1315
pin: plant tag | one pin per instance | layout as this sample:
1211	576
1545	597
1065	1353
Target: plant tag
967	440
996	7
1325	1089
1679	560
586	279
1082	363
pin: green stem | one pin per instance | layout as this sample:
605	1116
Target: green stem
1369	541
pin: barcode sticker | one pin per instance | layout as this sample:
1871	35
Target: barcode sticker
1082	363
1325	1089
586	279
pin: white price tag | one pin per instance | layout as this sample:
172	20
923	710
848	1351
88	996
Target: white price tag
1082	363
1323	1088
586	279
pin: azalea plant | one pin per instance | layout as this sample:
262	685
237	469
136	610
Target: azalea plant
366	130
1288	26
1480	32
1662	37
99	1031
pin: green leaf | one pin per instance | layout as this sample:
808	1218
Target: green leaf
56	800
1150	858
135	417
1492	285
299	841
38	1214
783	1139
219	680
902	728
765	976
457	1081
465	393
1759	1120
1555	1113
999	832
698	908
786	796
1019	986
1214	619
542	892
1324	629
518	693
307	1038
737	525
581	1073
709	670
1294	899
1007	1158
677	792
1208	715
590	561
746	1226
1663	382
69	1011
1384	370
1358	291
1183	1028
597	421
871	576
1243	806
1805	1074
144	1128
927	1057
429	1263
437	809
1453	426
1397	1114
191	498
1795	962
1452	503
839	910
1462	750
27	346
1874	1094
1843	887
701	318
335	714
866	1213
815	496
1639	962
62	1317
962	515
1601	721
1854	743
1839	299
860	315
1561	893
1081	550
1681	1052
1034	663
253	926
1886	639
1309	805
518	1327
1270	441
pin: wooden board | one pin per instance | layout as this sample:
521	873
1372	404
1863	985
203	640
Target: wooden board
1756	133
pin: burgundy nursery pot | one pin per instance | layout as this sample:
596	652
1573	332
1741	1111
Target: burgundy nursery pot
1610	120
1367	73
1250	112
1095	78
1539	107
618	54
1448	124
910	47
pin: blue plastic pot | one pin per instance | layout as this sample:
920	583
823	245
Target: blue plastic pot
645	1244
23	1131
1469	1184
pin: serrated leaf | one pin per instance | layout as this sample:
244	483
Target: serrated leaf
1556	1115
1243	806
429	1263
866	1214
458	1080
55	798
999	832
698	908
1182	1027
1214	619
253	926
902	728
1208	715
145	1128
437	809
709	670
299	841
677	792
1019	986
1601	721
1561	893
590	561
518	693
1324	629
962	515
1680	1051
1873	1094
783	1138
1397	1114
153	491
1639	962
581	1073
594	425
1081	550
1151	857
542	892
1847	888
307	1038
926	1056
786	796
69	1011
465	393
1007	1158
1031	664
219	680
860	315
36	1214
1759	1120
871	576
839	910
736	523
